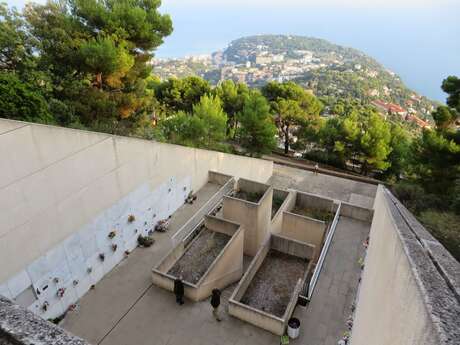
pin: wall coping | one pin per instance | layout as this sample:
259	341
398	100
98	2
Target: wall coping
115	136
21	326
435	270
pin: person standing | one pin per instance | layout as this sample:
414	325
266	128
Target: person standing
179	291
215	303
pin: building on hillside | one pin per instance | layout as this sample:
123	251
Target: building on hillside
418	121
263	59
278	58
239	77
389	108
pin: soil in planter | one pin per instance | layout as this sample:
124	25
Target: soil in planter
200	254
314	213
272	286
251	197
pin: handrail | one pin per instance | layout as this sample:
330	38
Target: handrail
319	265
191	235
197	218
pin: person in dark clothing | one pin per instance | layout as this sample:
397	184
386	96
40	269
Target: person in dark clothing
179	291
215	303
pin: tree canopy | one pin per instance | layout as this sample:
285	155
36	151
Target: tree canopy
292	106
257	132
87	58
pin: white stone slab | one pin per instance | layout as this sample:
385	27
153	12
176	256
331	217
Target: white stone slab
5	291
70	297
97	274
73	248
38	269
84	284
89	246
36	307
45	289
54	310
56	257
18	283
100	223
63	274
77	268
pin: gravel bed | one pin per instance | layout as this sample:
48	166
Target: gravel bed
271	288
200	254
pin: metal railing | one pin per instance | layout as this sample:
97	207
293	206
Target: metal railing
208	207
309	287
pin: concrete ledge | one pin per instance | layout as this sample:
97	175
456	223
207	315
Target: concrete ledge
20	326
409	284
437	272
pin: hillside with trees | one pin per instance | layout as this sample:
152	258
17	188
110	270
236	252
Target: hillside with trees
87	64
330	71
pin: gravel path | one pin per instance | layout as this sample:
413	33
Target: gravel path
199	256
271	288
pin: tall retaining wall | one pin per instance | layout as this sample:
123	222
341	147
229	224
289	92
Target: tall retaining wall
64	191
410	284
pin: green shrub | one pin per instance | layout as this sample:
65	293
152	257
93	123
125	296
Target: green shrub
445	226
22	101
414	197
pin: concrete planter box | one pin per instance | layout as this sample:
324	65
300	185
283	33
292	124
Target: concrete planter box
250	205
260	318
224	270
291	222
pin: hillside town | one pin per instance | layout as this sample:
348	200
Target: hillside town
324	73
252	67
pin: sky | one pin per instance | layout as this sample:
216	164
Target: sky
417	39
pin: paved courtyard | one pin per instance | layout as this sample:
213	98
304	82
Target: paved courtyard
357	193
126	309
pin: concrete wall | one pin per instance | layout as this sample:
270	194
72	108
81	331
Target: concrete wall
62	191
257	317
408	295
288	204
253	217
292	247
303	229
226	269
309	200
216	177
356	212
